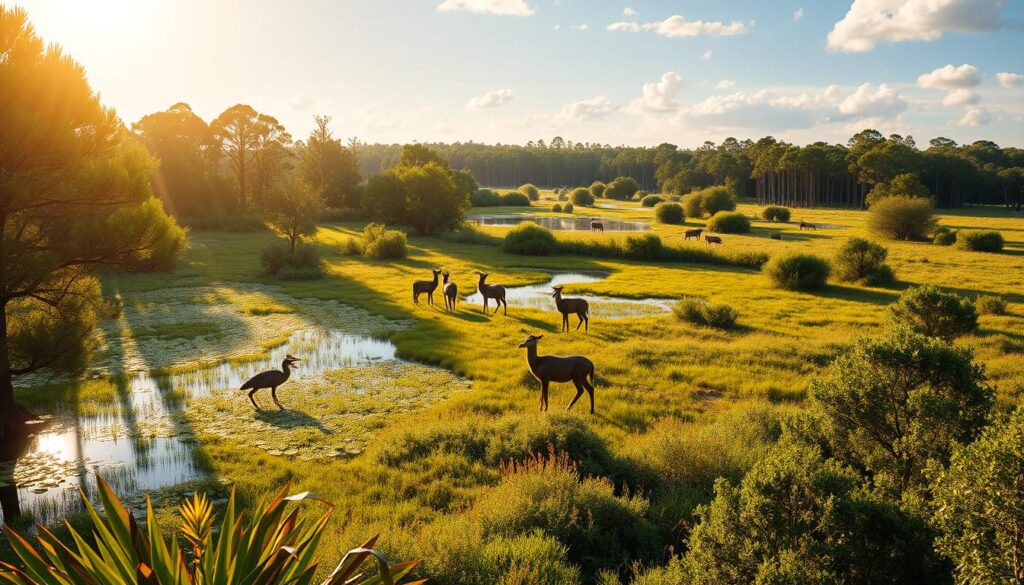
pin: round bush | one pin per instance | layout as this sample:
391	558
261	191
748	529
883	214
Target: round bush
990	305
643	247
556	208
693	204
943	236
728	222
775	213
671	213
597	189
380	242
278	259
622	189
716	199
795	271
530	191
485	198
902	218
859	260
567	208
581	196
980	241
934	312
529	239
651	200
515	198
701	312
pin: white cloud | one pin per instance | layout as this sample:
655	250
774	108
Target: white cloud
706	55
870	22
580	26
1009	80
975	117
588	109
300	102
950	78
866	102
659	97
497	7
491	99
798	14
627	11
725	84
677	26
960	97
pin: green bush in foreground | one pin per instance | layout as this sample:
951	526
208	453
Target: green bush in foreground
990	305
775	213
701	312
302	263
860	260
795	271
581	196
380	242
669	213
728	222
529	239
515	199
980	241
651	200
902	218
931	311
530	191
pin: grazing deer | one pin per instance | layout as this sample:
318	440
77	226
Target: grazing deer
491	291
596	226
549	368
569	306
450	290
425	286
807	226
692	234
709	239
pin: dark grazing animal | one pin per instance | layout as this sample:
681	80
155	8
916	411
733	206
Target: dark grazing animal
709	239
570	306
491	291
596	226
776	236
425	286
807	226
692	234
270	379
451	293
549	368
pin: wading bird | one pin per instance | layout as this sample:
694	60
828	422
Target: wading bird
270	379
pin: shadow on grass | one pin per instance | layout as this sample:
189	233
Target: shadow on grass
290	419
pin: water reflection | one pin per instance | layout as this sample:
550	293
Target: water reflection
569	224
538	296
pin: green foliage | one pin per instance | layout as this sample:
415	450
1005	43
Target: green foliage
228	222
294	211
419	155
670	213
256	147
990	305
904	185
427	197
275	546
380	242
466	181
485	198
700	312
796	271
622	188
860	260
902	218
568	208
980	241
943	236
931	311
530	191
728	222
330	168
979	505
58	335
775	213
709	201
643	247
556	208
597	189
651	200
895	404
515	199
581	196
529	239
299	263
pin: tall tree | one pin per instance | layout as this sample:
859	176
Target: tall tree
294	210
269	155
330	167
235	133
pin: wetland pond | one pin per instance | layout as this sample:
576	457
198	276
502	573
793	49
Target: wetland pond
563	224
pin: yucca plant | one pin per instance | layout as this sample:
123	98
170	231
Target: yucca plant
276	547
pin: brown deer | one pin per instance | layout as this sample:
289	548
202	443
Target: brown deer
807	226
549	368
569	306
425	286
692	234
450	291
709	239
596	226
491	291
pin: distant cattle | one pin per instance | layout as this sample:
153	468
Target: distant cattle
776	236
596	226
712	239
807	226
692	234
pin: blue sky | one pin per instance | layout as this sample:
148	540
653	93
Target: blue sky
635	72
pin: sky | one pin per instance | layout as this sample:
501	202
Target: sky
633	72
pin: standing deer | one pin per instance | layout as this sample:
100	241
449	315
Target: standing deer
568	306
450	291
709	239
596	226
425	286
549	368
491	291
692	234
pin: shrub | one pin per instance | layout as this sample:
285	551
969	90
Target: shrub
990	305
278	259
232	222
775	213
529	239
469	233
581	196
980	241
556	208
943	236
795	271
351	247
643	247
515	199
716	199
902	218
380	242
859	260
597	189
692	204
671	213
931	311
701	312
905	185
530	191
622	189
651	200
568	208
485	198
728	222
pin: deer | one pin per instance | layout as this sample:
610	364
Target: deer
807	226
550	368
568	306
491	291
596	226
692	234
450	290
709	239
425	286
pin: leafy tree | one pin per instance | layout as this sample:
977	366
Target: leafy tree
465	180
76	198
530	191
860	260
931	311
255	145
418	155
904	185
269	155
622	188
597	189
294	211
330	167
427	197
895	404
980	506
902	218
385	198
